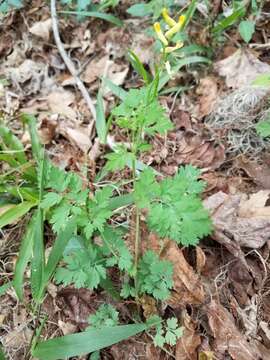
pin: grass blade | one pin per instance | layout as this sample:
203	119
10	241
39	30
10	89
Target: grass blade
15	212
186	61
96	14
228	21
138	66
37	148
101	120
38	259
58	249
85	342
24	257
190	12
13	143
115	89
120	201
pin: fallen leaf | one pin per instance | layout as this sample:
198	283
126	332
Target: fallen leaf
186	347
208	94
59	102
241	68
95	69
255	206
231	228
42	29
200	259
227	338
67	327
142	47
79	136
187	286
260	173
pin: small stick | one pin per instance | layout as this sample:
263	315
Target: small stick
69	63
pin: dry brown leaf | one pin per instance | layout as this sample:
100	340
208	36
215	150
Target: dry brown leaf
42	29
95	69
254	207
78	136
142	47
260	174
208	93
231	228
227	338
187	286
186	347
67	327
59	102
241	68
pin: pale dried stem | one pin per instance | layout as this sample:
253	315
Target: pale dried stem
69	64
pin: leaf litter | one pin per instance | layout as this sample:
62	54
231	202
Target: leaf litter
219	322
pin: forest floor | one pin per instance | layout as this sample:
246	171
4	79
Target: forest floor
222	286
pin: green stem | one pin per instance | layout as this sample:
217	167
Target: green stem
137	233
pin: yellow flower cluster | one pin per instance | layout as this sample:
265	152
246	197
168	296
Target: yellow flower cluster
175	27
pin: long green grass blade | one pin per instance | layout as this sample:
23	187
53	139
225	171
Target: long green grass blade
58	249
37	148
15	213
24	257
190	12
138	66
38	258
96	14
101	120
228	21
85	342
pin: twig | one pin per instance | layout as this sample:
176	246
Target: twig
260	46
68	62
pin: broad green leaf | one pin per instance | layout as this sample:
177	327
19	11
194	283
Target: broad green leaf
96	14
58	249
262	80
246	30
24	257
183	62
263	128
15	213
140	10
85	342
228	21
101	120
115	89
38	259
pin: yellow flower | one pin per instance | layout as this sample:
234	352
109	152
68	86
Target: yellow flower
167	18
168	68
160	34
176	27
170	49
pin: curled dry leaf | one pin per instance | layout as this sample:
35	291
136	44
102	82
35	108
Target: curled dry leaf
241	68
42	29
234	230
227	338
208	93
187	286
186	347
